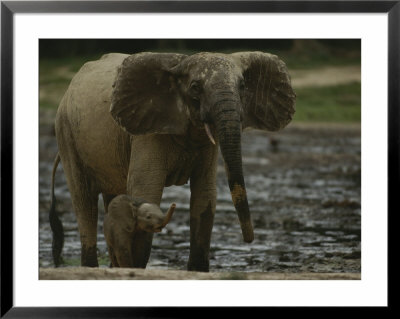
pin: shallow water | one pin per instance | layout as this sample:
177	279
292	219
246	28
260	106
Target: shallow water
304	195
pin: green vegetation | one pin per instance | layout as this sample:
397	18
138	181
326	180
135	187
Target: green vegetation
103	260
340	103
317	59
55	76
76	262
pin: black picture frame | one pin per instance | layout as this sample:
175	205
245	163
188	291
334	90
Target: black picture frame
9	8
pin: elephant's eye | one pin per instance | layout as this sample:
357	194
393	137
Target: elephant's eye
195	88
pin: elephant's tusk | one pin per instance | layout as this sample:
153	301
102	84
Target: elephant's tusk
168	215
207	128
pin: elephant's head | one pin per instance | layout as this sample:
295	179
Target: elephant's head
150	218
221	93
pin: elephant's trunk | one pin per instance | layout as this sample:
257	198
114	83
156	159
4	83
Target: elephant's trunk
167	218
228	128
168	215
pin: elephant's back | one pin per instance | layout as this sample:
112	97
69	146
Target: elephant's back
102	146
89	93
88	96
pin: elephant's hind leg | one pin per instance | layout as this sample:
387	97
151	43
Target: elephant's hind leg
84	196
87	215
85	200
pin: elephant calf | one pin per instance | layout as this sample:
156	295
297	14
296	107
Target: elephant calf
126	215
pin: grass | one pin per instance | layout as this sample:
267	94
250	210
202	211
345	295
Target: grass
76	262
55	76
313	60
72	262
340	103
317	104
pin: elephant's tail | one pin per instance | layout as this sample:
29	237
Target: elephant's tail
55	223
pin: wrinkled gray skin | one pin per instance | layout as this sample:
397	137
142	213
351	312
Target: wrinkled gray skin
136	124
126	216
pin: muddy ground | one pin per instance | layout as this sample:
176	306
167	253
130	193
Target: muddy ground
85	273
304	191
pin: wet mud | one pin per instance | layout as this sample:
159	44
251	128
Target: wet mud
304	192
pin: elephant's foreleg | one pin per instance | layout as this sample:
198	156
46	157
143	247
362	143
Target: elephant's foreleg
201	223
122	253
113	259
142	241
146	179
202	211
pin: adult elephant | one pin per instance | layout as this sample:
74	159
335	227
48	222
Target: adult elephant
134	124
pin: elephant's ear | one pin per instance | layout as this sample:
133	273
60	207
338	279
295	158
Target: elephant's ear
145	98
129	218
130	226
269	100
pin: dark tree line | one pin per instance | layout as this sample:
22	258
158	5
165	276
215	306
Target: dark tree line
58	48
